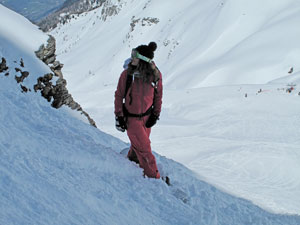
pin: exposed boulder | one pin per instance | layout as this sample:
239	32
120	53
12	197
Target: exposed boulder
21	78
56	68
24	89
47	53
3	66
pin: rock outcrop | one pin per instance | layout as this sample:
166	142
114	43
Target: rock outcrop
47	53
58	91
3	66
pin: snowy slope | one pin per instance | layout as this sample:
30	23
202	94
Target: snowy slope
210	43
56	169
212	54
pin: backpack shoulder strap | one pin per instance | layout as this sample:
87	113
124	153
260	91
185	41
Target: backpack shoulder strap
128	83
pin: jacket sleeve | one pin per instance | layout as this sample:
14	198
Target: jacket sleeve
157	101
119	94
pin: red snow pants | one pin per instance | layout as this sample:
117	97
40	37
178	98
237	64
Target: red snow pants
140	143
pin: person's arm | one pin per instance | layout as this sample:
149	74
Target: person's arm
157	101
119	94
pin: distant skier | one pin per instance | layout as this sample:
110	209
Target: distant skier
138	101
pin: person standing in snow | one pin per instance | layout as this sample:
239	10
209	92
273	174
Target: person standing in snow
138	101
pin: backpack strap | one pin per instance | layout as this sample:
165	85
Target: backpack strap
128	84
128	114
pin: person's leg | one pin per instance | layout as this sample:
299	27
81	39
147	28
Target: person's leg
140	144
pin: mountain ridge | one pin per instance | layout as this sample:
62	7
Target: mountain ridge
69	9
33	10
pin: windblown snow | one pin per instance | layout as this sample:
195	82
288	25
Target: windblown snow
56	169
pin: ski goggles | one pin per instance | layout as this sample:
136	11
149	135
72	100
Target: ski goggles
135	54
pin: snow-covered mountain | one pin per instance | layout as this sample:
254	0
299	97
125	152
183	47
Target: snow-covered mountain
34	10
56	169
211	38
68	10
227	67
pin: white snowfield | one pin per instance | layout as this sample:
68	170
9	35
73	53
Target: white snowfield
212	54
56	169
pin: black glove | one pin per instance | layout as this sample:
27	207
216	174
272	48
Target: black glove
120	123
151	120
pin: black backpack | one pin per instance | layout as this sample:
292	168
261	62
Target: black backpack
129	79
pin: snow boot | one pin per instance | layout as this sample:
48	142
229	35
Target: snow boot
132	156
167	180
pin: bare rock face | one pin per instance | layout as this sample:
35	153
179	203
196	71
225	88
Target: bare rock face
57	93
47	53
